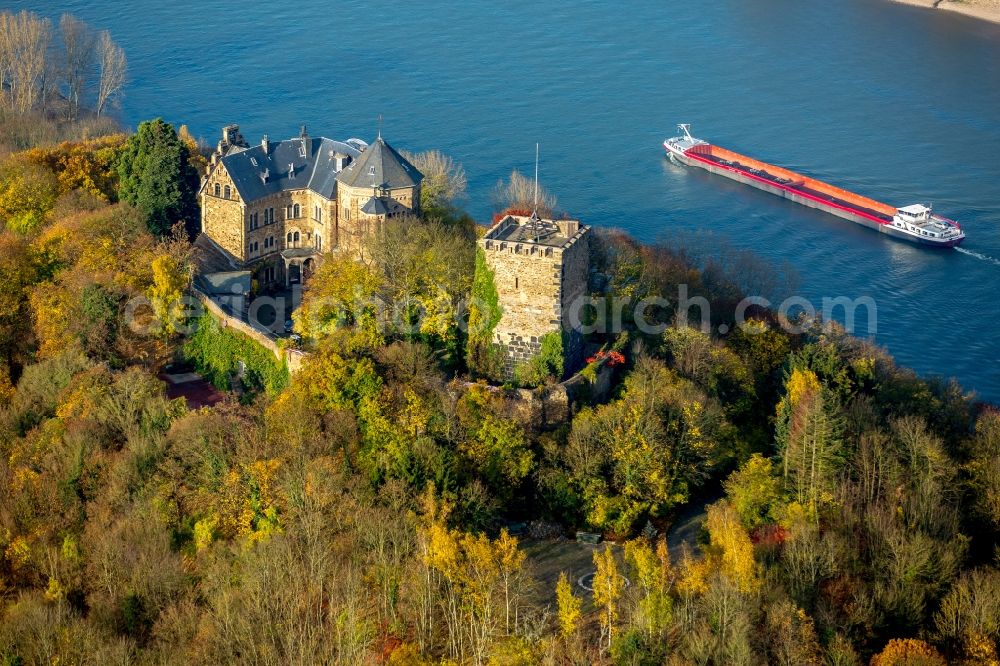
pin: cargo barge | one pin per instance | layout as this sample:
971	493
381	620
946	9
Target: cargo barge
916	223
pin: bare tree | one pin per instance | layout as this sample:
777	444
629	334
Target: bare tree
111	59
79	55
519	193
444	178
24	45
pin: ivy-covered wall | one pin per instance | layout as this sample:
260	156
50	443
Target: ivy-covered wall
216	352
484	356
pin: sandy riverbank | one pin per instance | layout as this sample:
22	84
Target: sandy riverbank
987	10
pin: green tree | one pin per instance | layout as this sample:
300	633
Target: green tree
809	439
753	491
157	178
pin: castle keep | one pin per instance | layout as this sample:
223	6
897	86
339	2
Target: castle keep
275	207
540	269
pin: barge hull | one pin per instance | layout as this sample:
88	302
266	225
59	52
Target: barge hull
789	193
801	189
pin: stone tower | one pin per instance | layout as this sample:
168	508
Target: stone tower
540	269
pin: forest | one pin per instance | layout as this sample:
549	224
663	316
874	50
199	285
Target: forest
384	504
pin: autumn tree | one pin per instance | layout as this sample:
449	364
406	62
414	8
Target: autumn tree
907	652
425	271
608	585
653	577
18	271
166	294
444	180
157	178
24	49
518	193
78	59
732	546
809	439
342	293
984	467
569	607
27	193
112	67
753	491
645	452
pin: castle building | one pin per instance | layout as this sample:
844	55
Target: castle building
277	206
540	270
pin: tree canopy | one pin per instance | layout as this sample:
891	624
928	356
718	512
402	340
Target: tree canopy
157	178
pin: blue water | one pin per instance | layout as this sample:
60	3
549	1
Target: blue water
895	102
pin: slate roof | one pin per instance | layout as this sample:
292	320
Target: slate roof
380	166
225	283
287	168
382	206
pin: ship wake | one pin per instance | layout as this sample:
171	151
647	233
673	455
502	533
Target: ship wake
981	257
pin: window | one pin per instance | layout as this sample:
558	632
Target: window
295	211
218	189
347	213
269	216
295	237
288	238
253	161
227	191
371	170
517	283
319	242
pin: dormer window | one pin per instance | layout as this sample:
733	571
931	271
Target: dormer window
253	161
371	170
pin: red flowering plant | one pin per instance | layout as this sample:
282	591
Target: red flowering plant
611	358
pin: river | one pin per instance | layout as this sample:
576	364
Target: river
891	101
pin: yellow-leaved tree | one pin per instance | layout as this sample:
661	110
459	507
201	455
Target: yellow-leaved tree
608	587
166	294
653	576
732	548
343	292
808	431
570	607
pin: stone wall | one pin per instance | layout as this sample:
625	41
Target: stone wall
353	225
294	358
575	277
536	284
223	220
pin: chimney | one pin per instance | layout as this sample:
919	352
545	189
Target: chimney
229	134
264	144
306	143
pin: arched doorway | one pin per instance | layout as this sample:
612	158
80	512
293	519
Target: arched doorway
294	273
